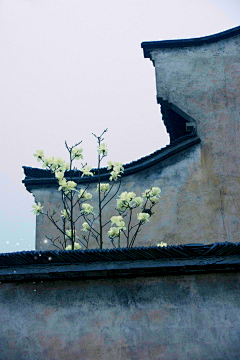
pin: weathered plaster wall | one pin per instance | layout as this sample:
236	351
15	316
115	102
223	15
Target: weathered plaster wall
191	317
204	82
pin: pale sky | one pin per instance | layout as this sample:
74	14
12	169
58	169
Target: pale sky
72	67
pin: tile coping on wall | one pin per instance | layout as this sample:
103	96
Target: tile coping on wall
131	262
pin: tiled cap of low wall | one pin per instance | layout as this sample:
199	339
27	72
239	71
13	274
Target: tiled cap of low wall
143	261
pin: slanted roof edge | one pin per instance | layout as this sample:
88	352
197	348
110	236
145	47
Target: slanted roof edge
134	167
149	46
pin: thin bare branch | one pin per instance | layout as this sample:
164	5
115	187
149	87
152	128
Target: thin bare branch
90	224
53	240
113	195
66	145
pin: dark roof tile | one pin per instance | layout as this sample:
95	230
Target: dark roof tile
107	255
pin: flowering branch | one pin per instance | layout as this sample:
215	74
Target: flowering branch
101	150
71	196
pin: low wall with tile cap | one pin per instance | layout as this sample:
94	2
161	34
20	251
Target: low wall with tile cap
182	317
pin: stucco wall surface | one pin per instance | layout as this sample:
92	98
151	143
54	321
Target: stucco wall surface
191	317
204	82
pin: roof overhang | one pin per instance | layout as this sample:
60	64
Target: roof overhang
149	46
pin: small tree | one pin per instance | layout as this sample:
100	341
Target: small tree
75	204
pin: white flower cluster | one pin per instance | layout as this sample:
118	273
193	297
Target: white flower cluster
69	234
87	209
103	187
128	200
162	244
86	171
37	209
55	164
117	169
102	149
152	194
67	186
59	166
77	153
84	195
39	155
115	231
143	217
85	226
65	214
77	246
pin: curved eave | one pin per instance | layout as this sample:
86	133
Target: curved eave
134	167
149	46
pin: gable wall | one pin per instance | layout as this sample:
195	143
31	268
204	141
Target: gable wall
204	82
201	185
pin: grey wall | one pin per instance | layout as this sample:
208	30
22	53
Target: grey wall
204	82
191	317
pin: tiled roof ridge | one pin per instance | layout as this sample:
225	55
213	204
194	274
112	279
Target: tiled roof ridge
187	251
38	173
149	46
